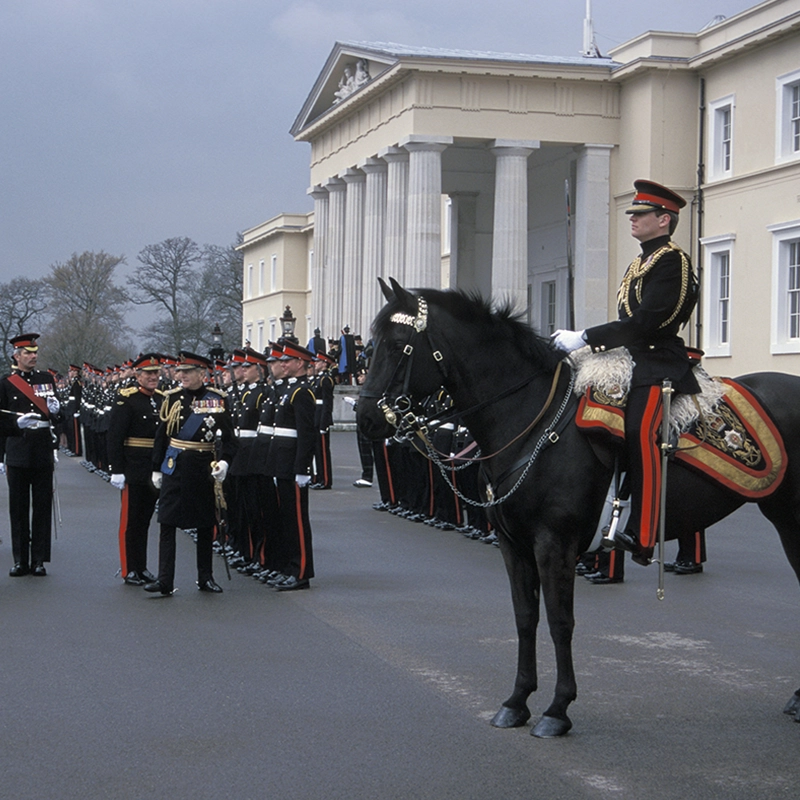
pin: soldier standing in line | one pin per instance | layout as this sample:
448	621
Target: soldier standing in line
131	436
194	419
323	420
250	494
27	447
290	456
72	411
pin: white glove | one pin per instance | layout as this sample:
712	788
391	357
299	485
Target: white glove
55	456
2	467
53	406
156	478
219	470
118	481
567	340
29	420
302	480
351	401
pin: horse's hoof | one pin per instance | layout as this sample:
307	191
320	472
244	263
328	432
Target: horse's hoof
511	717
793	706
550	727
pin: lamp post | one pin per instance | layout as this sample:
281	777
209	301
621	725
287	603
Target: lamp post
287	324
216	353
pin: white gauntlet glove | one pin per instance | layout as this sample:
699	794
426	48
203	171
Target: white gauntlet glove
53	406
118	481
29	420
568	340
302	480
219	470
156	478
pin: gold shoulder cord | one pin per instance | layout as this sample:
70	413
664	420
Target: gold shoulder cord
636	272
171	414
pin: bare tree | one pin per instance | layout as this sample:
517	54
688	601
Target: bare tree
166	278
22	303
86	312
223	268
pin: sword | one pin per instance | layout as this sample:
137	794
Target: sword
56	505
221	505
666	449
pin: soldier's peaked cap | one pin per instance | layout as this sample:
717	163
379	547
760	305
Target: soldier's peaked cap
292	350
187	360
149	362
25	340
651	196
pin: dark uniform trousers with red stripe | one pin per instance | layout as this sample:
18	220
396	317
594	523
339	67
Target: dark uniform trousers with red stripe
296	556
138	504
643	415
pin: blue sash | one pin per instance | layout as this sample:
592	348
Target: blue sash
188	429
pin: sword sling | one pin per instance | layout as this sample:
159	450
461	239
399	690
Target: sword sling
221	506
666	403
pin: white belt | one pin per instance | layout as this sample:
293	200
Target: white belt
245	434
319	402
266	429
289	433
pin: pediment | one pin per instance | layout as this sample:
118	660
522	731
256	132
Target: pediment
350	67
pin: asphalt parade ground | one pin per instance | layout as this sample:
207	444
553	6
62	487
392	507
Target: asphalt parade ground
379	681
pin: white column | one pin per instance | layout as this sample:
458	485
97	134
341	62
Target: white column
592	194
510	235
376	170
319	270
424	226
335	257
353	247
394	254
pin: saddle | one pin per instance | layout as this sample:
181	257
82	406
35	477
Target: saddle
724	433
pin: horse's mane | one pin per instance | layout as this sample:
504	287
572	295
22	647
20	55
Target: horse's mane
502	323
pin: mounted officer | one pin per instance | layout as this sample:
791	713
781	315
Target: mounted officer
657	296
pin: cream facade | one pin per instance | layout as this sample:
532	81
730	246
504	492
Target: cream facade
507	173
277	257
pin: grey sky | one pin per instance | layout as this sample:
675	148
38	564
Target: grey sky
125	123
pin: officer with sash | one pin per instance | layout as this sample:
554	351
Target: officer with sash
657	296
29	409
194	444
131	436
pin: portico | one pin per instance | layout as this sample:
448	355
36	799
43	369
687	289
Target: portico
409	181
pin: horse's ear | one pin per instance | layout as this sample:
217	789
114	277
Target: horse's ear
387	292
400	293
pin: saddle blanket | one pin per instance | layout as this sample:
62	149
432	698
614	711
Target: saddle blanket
724	433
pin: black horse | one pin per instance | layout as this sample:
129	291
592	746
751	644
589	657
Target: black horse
502	377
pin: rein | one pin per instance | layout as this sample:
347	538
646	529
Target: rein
407	425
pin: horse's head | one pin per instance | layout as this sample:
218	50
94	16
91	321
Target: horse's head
405	366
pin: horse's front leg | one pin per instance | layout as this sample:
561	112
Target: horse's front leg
524	579
557	574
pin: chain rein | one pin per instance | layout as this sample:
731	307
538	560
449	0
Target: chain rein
401	416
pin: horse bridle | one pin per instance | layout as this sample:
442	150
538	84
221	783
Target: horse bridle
400	413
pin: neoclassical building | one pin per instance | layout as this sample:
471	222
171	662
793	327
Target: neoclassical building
510	173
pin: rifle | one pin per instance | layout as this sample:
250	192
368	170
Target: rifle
220	504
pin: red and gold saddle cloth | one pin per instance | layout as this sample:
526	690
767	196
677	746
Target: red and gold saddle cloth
736	444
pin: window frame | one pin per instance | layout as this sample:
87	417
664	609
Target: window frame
713	248
785	87
784	234
718	170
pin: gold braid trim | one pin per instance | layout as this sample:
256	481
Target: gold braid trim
171	414
636	272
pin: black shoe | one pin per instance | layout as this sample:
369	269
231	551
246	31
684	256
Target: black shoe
147	576
18	570
362	484
625	540
209	586
275	579
669	566
292	583
686	567
602	579
38	570
133	579
157	586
